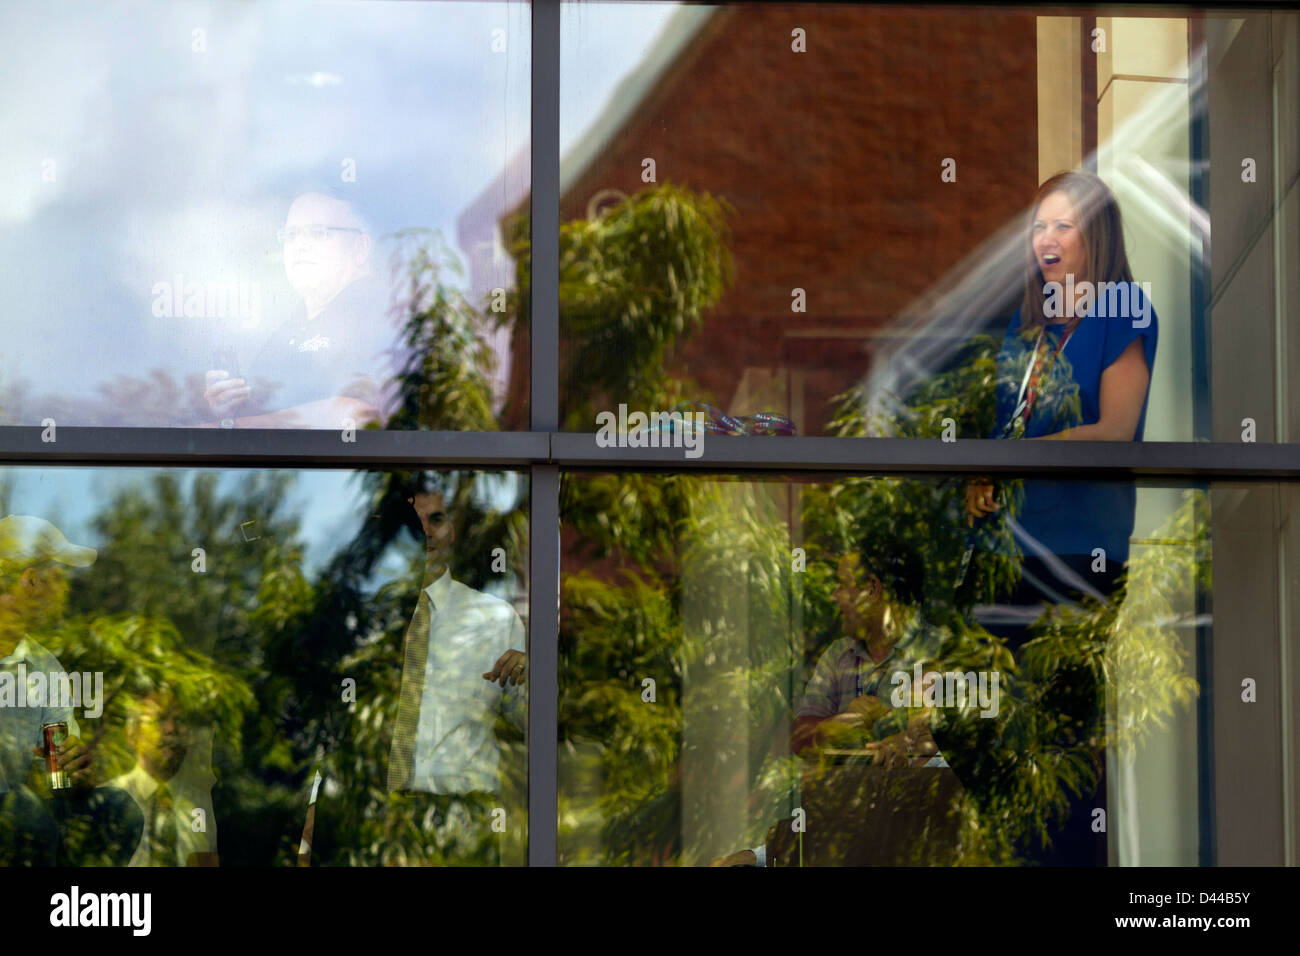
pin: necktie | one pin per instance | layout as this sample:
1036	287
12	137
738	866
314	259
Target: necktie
416	653
162	833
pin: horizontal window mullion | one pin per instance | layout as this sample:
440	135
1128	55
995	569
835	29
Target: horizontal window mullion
1193	460
269	448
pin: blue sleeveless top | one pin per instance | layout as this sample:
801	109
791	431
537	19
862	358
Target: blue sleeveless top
1078	516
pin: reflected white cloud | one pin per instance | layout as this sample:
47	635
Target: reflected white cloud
318	78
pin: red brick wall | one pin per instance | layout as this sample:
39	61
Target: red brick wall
832	160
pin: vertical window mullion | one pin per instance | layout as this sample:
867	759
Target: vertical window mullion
544	412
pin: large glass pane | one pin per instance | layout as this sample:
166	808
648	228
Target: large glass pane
869	670
276	215
259	668
794	218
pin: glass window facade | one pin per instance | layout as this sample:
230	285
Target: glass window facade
653	434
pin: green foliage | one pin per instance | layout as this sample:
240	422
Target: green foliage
445	383
138	655
633	282
1134	647
687	580
964	392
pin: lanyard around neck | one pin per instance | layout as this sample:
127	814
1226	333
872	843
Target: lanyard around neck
1022	395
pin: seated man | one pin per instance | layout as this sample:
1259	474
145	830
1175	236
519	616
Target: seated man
848	712
853	685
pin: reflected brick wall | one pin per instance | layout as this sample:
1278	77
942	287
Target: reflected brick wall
832	160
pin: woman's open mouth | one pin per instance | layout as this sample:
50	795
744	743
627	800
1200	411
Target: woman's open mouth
1050	260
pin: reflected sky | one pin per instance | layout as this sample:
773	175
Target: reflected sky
329	504
139	151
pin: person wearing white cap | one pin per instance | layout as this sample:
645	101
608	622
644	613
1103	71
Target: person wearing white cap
27	541
33	588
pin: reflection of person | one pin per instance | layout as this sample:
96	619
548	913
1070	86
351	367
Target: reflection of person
447	755
333	364
448	758
473	666
850	695
169	783
851	685
1099	354
34	828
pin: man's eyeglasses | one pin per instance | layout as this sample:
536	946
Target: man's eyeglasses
314	233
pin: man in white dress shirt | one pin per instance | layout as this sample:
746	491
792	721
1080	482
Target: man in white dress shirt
463	666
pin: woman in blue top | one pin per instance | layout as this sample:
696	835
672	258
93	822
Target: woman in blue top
1075	366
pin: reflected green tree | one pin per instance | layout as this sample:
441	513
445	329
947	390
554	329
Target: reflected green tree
194	582
634	282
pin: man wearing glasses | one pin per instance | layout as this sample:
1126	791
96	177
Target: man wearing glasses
331	364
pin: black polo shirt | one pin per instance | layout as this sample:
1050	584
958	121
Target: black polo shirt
350	349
